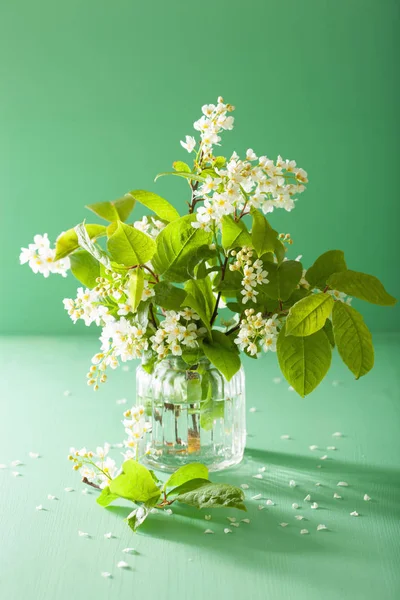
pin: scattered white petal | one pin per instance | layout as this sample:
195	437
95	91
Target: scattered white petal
34	454
129	550
208	531
68	489
256	497
121	401
270	502
324	457
283	524
318	484
321	527
299	517
260	507
331	447
244	486
40	507
304	531
168	511
67	393
258	476
366	497
318	466
231	519
153	511
335	383
2	466
16	463
285	436
342	484
235	524
253	409
337	434
83	534
125	368
294	505
313	447
307	498
207	517
314	505
16	474
277	380
118	445
108	535
227	530
122	565
354	514
291	388
262	469
105	574
190	559
336	495
51	497
245	520
292	483
85	491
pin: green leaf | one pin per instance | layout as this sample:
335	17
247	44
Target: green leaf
142	314
362	286
262	235
176	244
219	162
309	314
158	205
135	287
191	356
88	244
234	233
106	497
135	483
330	262
85	268
214	495
168	296
304	361
279	251
129	246
235	307
181	166
188	486
67	242
353	339
181	174
223	354
283	279
186	473
201	298
211	410
116	210
329	332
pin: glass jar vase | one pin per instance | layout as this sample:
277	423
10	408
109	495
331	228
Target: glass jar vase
194	415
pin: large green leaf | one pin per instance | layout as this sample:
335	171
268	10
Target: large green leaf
181	166
185	473
362	286
188	486
89	245
283	279
353	339
309	314
158	205
223	354
234	233
184	174
329	332
262	234
201	298
116	210
214	495
304	361
106	497
129	246
326	264
176	244
168	296
67	242
135	483
135	287
85	268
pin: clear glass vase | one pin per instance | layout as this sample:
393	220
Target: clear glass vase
195	414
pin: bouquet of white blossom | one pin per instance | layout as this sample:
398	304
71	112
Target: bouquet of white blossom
157	287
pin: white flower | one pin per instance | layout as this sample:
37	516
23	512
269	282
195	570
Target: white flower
251	155
189	144
40	258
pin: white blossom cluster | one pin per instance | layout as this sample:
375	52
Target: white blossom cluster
100	471
253	273
86	307
149	225
40	257
341	296
176	331
257	332
135	427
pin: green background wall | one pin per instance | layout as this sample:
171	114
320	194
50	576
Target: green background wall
95	96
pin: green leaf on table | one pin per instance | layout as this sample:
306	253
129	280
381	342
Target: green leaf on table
106	497
330	262
67	242
353	339
85	268
304	361
283	279
309	314
214	495
176	244
362	286
186	473
129	246
184	174
135	483
135	287
161	207
87	243
116	210
169	296
329	332
262	235
234	233
188	486
181	166
223	354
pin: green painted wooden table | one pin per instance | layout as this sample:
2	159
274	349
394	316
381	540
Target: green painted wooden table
43	558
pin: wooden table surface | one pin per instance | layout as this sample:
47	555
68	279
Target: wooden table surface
42	556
